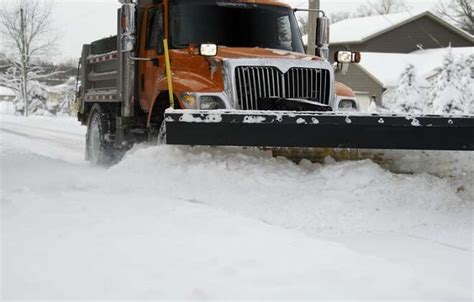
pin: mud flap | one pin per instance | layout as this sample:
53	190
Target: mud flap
319	129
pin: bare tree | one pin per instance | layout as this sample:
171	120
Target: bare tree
339	16
364	10
381	7
372	8
27	35
303	22
459	12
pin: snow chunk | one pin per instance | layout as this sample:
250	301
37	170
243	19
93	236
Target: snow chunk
209	118
301	121
249	119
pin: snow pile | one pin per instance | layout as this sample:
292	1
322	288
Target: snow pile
349	197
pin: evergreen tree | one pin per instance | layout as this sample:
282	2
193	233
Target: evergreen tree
408	96
467	82
38	96
447	91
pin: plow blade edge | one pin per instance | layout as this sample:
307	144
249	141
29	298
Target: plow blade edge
319	129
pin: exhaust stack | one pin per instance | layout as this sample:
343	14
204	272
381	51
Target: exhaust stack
322	37
126	48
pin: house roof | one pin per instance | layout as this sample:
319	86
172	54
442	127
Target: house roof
359	30
4	91
386	68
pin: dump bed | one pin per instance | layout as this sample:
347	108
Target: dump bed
99	70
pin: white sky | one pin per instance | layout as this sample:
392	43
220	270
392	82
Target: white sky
83	21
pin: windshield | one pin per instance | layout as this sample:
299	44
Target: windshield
234	24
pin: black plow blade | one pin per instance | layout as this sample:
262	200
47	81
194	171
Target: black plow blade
319	129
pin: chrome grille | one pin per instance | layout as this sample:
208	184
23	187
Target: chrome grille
256	82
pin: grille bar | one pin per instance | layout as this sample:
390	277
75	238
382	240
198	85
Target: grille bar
256	82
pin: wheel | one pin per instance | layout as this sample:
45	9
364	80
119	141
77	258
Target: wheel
99	151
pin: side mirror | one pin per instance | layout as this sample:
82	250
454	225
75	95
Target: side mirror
347	57
208	50
322	37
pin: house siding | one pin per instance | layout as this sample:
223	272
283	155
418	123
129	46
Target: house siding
358	80
424	31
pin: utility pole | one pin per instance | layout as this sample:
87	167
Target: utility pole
312	16
24	63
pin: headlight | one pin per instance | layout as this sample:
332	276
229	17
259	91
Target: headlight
347	105
208	50
211	103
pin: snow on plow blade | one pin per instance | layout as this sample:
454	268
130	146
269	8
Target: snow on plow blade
319	129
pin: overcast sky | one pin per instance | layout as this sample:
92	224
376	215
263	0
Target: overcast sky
82	21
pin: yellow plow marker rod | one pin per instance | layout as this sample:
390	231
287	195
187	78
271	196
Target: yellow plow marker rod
168	73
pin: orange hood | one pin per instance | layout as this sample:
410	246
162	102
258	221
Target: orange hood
239	53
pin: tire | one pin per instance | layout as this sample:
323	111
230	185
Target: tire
99	151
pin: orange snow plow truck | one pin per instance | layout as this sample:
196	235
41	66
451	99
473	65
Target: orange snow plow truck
233	73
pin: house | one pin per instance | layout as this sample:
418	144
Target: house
388	43
6	101
397	33
6	94
379	71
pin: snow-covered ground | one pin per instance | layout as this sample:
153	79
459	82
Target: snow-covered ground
226	223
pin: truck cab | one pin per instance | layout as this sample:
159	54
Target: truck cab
202	55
